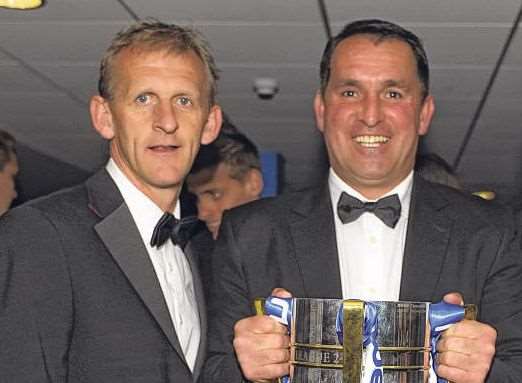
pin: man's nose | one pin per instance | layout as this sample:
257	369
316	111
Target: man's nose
165	117
206	211
371	110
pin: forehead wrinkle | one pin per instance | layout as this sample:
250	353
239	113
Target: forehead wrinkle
396	83
130	60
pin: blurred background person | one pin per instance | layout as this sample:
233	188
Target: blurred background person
226	173
434	168
8	170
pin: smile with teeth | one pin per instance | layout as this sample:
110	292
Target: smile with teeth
371	141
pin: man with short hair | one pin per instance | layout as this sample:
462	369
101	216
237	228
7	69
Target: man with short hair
225	174
8	170
98	283
373	231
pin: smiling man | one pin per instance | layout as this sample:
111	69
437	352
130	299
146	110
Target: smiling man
432	243
99	282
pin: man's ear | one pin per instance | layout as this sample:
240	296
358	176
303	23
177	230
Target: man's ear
254	183
319	110
101	117
426	115
212	126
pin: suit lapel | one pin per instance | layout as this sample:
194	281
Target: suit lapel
200	299
427	239
313	231
122	238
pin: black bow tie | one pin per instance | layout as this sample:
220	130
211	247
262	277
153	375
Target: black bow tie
179	231
387	209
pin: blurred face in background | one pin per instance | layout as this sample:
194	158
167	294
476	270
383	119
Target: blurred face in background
7	184
216	191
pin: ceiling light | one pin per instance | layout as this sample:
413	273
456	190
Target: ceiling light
21	4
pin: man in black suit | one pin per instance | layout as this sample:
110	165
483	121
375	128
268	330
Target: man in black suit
374	230
92	290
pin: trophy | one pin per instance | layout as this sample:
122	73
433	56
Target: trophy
352	341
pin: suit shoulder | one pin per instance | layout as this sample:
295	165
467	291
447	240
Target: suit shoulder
273	207
467	207
64	204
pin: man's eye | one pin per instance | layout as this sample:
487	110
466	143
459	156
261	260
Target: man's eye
184	101
394	94
348	93
216	195
143	99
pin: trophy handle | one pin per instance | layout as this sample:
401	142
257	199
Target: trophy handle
470	312
259	306
353	318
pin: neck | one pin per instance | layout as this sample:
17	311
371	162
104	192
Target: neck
165	198
165	201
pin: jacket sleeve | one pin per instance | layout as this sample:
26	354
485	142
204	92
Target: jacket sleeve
501	307
228	303
36	312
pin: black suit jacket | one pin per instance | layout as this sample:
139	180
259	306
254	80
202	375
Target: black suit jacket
454	242
80	301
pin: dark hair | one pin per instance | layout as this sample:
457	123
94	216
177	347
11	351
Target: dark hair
232	148
151	35
7	148
382	30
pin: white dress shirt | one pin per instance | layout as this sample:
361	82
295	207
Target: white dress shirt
170	264
370	253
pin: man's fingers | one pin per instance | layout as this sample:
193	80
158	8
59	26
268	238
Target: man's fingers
455	374
454	298
262	348
261	341
265	373
457	367
471	329
452	359
452	344
281	293
465	352
260	324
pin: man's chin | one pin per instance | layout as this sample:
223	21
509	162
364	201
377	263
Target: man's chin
214	229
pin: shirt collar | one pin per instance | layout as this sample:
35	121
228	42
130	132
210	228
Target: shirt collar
145	212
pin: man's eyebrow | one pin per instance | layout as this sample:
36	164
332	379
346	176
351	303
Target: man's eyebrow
347	82
396	83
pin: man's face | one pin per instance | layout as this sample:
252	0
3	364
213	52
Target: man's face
7	184
372	113
157	118
216	192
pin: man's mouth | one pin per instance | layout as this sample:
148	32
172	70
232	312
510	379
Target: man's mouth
163	148
371	141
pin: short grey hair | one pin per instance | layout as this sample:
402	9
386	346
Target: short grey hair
151	34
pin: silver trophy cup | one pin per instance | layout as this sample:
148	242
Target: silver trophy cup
328	343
